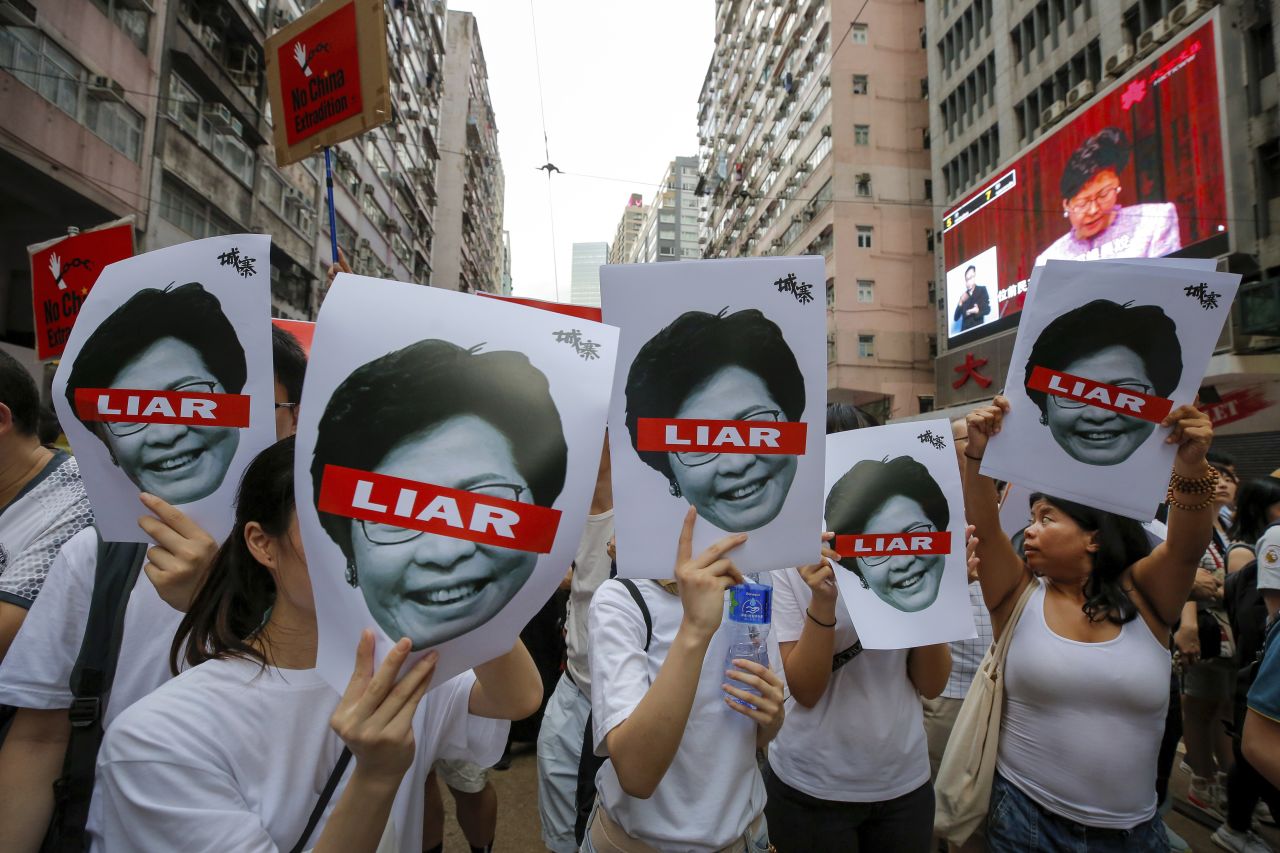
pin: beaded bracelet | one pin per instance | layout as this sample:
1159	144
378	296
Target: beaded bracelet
1177	504
1207	484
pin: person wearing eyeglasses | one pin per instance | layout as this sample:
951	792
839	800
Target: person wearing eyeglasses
1100	226
1131	347
975	303
726	367
176	339
894	497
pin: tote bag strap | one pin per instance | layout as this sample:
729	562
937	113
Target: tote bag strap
1000	650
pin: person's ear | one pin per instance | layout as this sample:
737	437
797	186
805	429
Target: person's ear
6	419
1066	204
261	545
1092	546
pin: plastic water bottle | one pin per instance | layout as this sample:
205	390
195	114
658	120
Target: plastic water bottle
750	614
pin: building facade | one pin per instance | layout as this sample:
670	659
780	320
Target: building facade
1006	77
813	126
669	231
584	275
628	232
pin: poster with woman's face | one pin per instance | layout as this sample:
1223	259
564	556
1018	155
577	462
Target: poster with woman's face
894	502
166	384
1104	352
447	452
718	404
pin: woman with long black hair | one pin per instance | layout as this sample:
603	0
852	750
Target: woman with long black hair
1087	675
233	754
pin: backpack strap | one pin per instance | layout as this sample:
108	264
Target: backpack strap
644	609
325	796
115	575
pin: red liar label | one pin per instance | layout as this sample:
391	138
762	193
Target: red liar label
893	544
1123	400
437	509
123	405
698	436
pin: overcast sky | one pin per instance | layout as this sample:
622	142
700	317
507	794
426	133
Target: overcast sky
620	82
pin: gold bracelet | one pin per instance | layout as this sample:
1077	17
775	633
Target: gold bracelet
1177	504
1207	484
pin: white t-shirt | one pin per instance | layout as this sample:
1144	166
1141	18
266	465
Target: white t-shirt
713	788
591	568
864	740
232	756
1268	553
34	526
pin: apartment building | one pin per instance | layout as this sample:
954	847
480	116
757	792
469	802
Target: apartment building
628	231
669	230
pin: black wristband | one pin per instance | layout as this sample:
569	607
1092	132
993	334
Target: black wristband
974	458
816	622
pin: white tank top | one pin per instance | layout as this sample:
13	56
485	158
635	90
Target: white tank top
1083	721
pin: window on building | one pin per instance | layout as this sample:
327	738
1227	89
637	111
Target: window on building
860	84
666	217
933	346
928	189
667	251
858	34
666	233
866	290
926	403
933	292
864	236
191	211
831	293
866	346
928	239
831	347
862	186
862	134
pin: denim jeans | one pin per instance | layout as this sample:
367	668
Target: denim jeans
1018	824
806	824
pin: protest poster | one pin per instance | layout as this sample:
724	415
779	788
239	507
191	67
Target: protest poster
327	77
719	403
166	384
447	452
895	504
302	331
63	271
1104	351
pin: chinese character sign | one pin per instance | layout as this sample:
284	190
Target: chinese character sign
63	272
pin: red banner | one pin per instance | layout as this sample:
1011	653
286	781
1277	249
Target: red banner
63	273
1100	395
690	435
320	75
1237	405
893	544
302	330
124	405
440	510
582	312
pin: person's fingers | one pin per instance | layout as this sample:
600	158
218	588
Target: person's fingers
684	550
164	561
831	554
725	572
362	671
716	550
744	695
402	691
1001	402
172	516
383	680
746	711
746	678
403	720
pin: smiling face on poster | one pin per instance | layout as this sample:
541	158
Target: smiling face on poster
447	451
894	502
718	403
1104	352
166	383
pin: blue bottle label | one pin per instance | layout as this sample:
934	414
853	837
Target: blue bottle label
751	604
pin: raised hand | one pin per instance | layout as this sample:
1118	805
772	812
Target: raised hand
703	579
820	577
179	561
1192	431
300	56
55	267
984	422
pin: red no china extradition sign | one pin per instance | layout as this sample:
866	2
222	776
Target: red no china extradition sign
320	75
63	273
893	544
1125	401
691	435
124	405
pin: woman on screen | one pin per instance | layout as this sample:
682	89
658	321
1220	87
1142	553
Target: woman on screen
1100	226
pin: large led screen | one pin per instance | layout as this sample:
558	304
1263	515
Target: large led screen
1139	173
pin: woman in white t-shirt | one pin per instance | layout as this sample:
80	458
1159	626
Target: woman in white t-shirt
233	754
681	774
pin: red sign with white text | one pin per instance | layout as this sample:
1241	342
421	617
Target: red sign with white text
455	513
1125	401
1237	405
893	544
320	75
63	273
124	405
689	435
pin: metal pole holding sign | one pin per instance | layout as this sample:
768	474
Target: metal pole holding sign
333	219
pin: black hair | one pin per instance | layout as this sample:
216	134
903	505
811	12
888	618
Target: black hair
868	486
1096	325
842	417
232	603
18	391
48	428
1252	502
1121	543
290	362
1220	459
188	313
692	349
970	269
1107	149
424	384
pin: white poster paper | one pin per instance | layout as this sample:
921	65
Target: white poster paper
166	384
1104	351
447	452
719	403
894	501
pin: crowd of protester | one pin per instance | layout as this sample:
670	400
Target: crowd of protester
221	735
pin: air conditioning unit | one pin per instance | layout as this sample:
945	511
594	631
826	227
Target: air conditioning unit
1156	35
1053	113
776	162
393	227
802	168
795	217
402	137
363	245
807	115
777	242
1080	93
826	130
103	88
793	134
863	177
1187	11
219	116
368	190
235	128
413	115
1119	61
825	81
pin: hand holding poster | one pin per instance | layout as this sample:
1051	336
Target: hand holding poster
166	383
63	271
895	505
718	403
1104	352
447	452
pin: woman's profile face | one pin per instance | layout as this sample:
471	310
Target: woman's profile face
1092	208
1097	436
174	462
734	491
425	586
907	582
